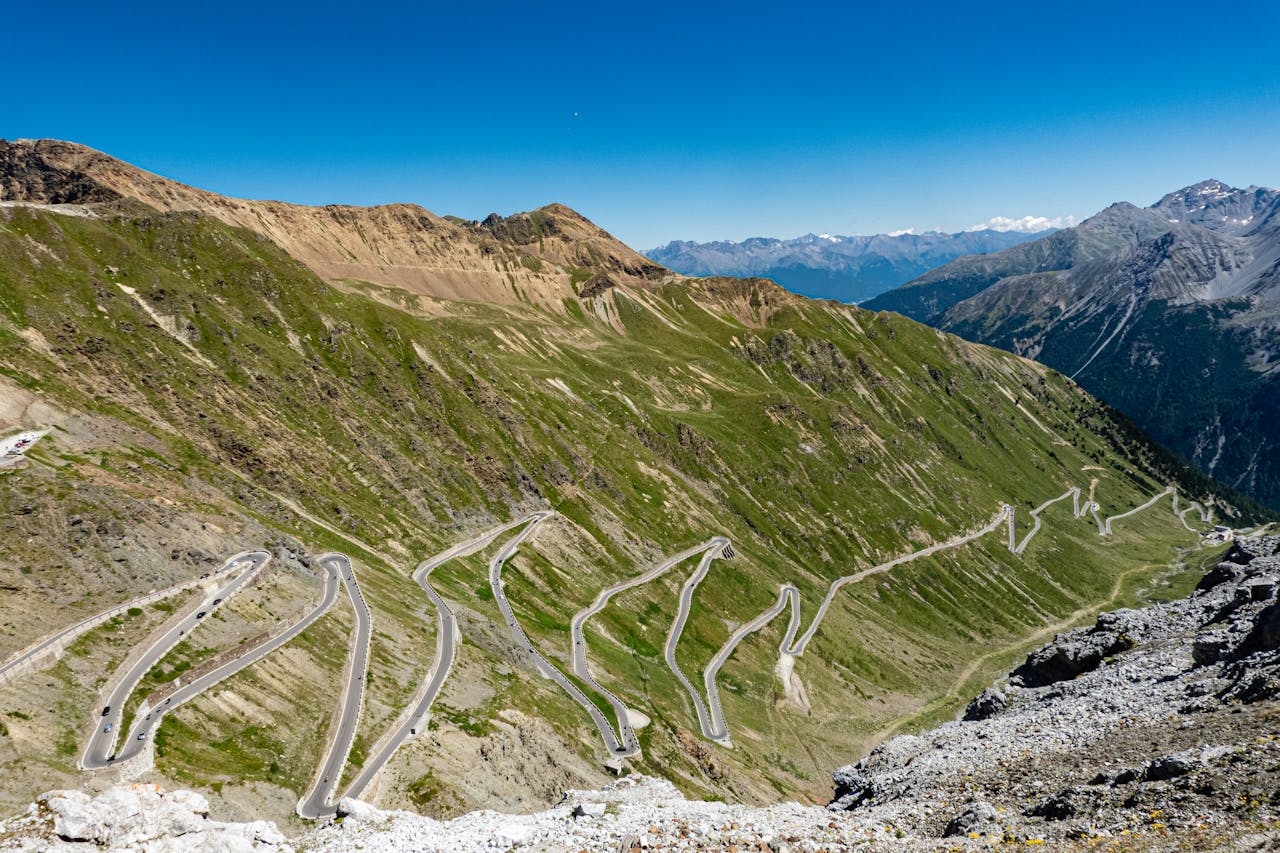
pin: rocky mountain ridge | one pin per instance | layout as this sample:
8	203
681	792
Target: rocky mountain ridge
543	256
1171	313
825	266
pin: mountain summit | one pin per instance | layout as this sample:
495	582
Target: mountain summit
1171	313
826	266
542	256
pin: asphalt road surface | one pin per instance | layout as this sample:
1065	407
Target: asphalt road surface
711	719
579	652
316	804
709	731
1076	508
100	751
446	643
612	744
148	722
67	634
1106	525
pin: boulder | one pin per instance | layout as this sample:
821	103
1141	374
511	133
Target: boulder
1213	646
978	819
1062	805
588	810
1265	634
1171	766
1077	652
1261	588
123	816
1224	572
986	704
355	810
853	788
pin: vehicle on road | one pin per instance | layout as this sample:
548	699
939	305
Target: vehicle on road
217	601
142	735
107	728
106	710
200	615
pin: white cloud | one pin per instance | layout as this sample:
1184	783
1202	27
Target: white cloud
1025	224
902	233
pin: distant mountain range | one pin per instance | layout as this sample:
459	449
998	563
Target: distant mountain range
825	266
1171	313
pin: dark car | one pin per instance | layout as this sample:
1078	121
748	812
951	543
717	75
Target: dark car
200	615
106	710
217	601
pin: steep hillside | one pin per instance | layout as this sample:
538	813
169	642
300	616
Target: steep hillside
208	393
846	269
541	257
1177	325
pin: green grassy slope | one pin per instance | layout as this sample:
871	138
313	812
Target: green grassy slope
820	438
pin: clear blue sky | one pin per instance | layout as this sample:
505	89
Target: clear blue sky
693	120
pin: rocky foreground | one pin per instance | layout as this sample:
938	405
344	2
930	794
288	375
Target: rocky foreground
1154	729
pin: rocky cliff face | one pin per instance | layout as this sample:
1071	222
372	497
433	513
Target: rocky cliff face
1157	724
1170	313
541	257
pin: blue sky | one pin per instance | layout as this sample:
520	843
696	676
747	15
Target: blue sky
665	120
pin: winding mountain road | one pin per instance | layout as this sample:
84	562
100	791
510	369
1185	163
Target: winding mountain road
408	724
1106	525
1206	515
579	654
100	750
717	546
615	747
711	719
1076	508
70	633
148	719
316	804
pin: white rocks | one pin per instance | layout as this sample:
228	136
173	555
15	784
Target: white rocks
356	810
648	813
589	810
132	817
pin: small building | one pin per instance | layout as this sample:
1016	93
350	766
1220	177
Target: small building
1219	533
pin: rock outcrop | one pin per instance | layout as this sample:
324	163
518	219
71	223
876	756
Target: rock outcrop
133	817
535	256
1156	723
